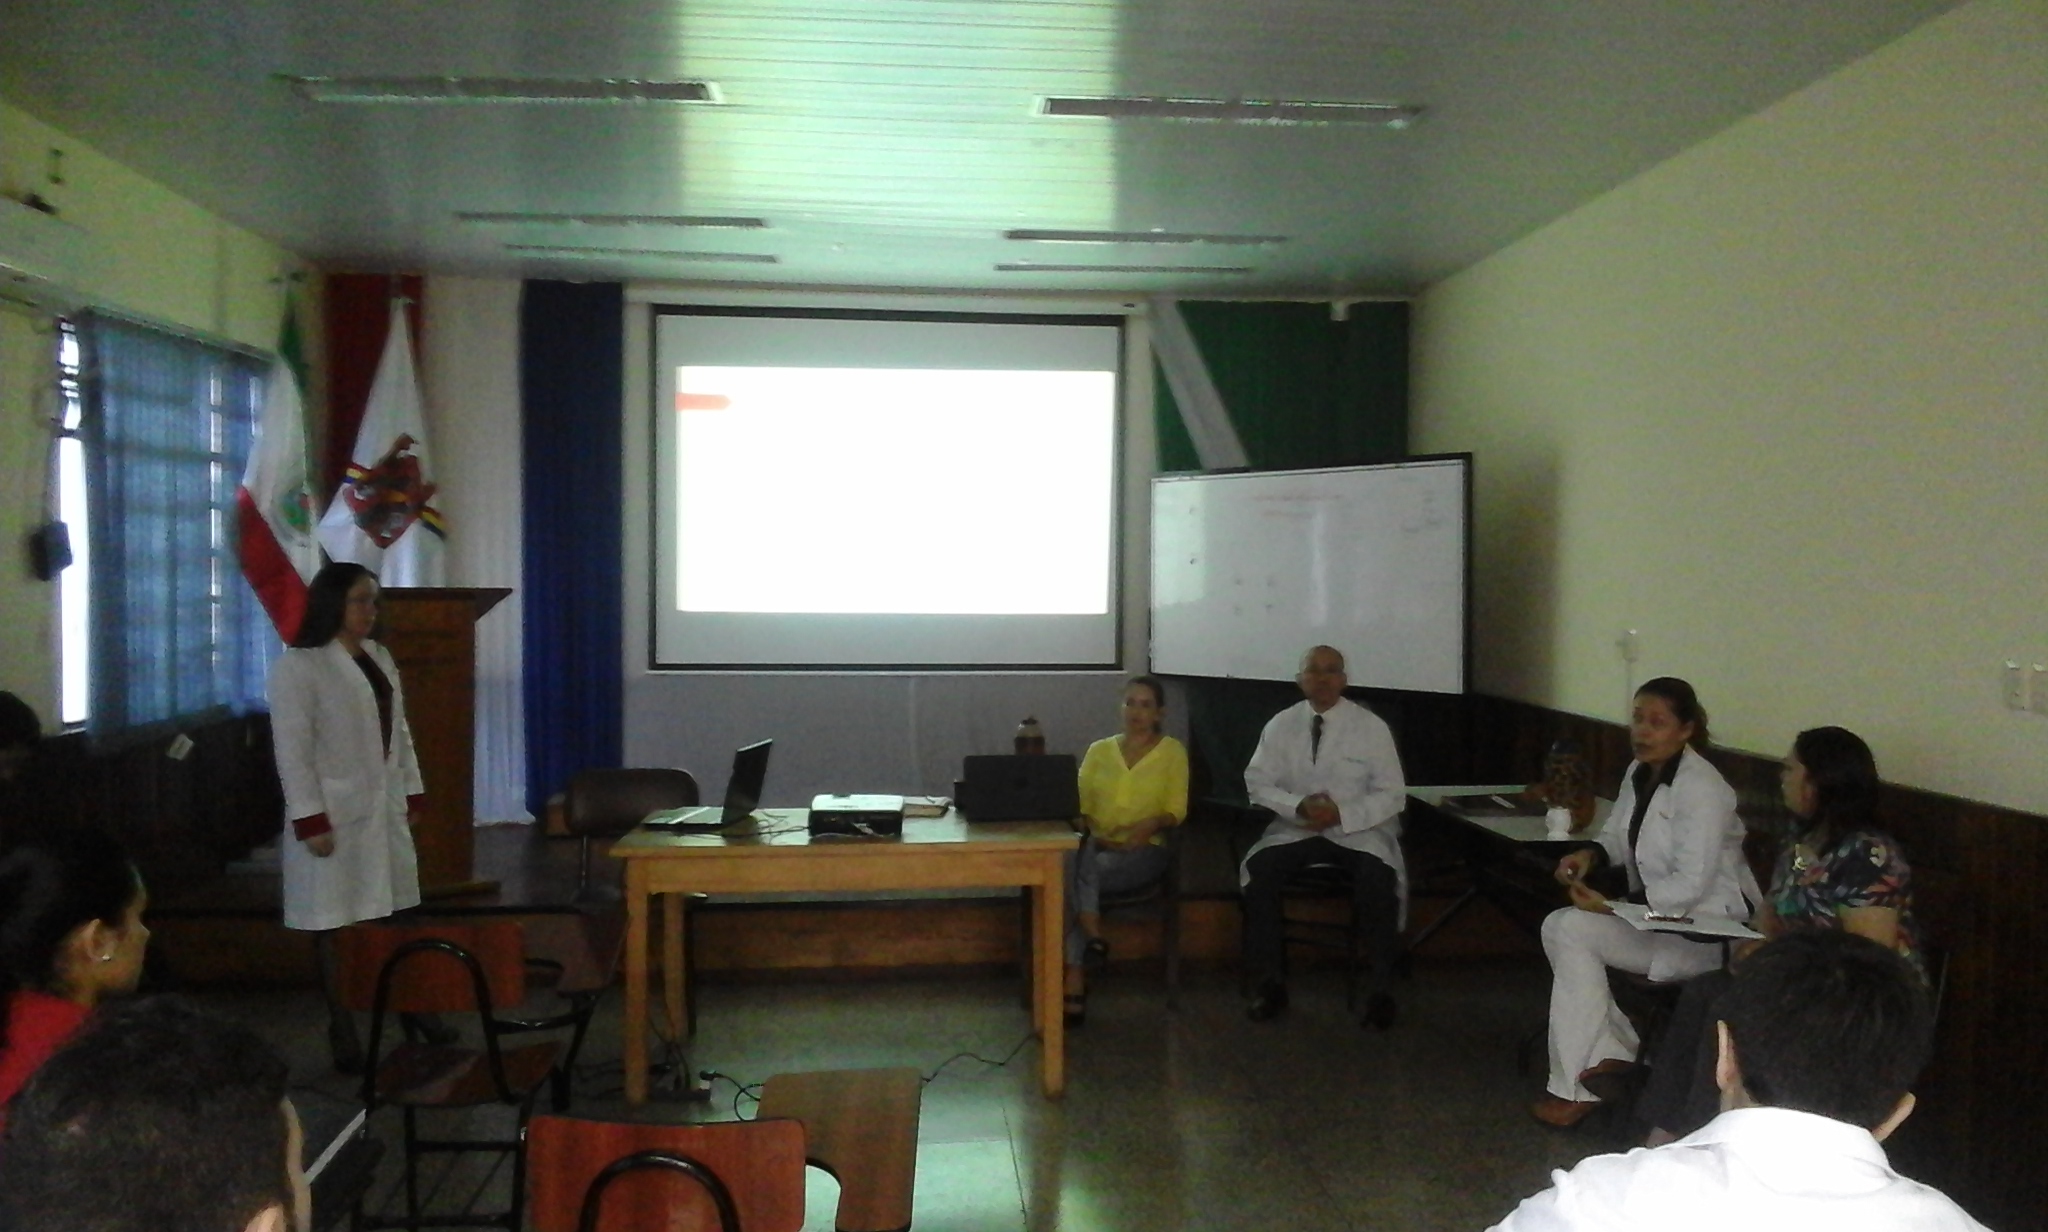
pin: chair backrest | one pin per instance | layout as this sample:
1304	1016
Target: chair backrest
614	801
760	1162
433	979
592	1217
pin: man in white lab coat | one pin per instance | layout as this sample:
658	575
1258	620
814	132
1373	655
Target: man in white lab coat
1328	770
1822	1034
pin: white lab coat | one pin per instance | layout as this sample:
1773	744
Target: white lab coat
1358	767
1687	861
1688	857
331	759
1749	1169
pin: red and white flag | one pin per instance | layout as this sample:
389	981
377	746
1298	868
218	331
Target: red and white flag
274	505
383	516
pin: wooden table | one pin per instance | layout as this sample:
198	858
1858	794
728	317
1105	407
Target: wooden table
780	855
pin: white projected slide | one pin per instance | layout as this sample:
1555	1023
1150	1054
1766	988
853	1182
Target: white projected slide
884	490
945	483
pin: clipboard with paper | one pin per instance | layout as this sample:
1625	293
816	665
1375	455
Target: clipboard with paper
1698	924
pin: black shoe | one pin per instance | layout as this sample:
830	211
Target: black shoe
1095	956
1074	1010
1380	1011
1270	1002
1616	1082
347	1050
431	1029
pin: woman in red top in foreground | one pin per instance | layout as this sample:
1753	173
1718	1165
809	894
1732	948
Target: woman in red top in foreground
71	932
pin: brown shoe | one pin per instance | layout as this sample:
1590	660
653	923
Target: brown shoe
1561	1113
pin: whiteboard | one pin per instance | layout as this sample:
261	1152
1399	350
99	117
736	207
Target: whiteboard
1251	569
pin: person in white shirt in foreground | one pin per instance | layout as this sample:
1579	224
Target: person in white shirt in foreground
1822	1035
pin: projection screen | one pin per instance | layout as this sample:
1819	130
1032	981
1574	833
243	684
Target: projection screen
879	490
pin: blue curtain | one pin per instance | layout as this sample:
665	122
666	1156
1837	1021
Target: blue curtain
176	634
571	377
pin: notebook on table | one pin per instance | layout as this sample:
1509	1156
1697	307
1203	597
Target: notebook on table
1020	787
742	796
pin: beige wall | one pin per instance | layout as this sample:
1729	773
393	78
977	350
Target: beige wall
154	254
1781	405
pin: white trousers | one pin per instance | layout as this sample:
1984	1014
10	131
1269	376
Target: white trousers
1586	1027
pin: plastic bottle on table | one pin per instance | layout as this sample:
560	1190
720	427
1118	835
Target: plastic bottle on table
1030	737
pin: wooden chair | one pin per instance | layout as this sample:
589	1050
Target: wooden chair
617	1176
451	969
608	803
860	1125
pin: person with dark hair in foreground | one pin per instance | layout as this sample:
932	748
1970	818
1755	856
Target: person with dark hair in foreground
156	1118
20	732
1822	1035
23	790
71	934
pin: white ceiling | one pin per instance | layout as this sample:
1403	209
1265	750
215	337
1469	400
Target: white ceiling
888	143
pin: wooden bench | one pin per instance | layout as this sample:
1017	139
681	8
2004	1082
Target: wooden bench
860	1125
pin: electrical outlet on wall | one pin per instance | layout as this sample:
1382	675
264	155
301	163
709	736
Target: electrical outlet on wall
2014	684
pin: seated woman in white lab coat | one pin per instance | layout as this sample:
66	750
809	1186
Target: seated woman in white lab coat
1674	829
352	786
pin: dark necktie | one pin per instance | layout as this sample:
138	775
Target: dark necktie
1315	737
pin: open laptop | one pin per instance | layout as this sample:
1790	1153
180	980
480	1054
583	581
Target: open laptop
742	796
1020	787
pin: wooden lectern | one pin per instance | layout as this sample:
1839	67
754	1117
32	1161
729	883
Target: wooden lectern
431	631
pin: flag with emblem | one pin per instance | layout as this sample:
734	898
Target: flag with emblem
383	515
274	506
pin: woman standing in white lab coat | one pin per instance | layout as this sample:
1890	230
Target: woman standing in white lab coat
352	786
1674	830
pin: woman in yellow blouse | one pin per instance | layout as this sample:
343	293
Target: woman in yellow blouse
1133	786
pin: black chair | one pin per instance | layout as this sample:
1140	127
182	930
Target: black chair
1317	883
609	803
446	968
1163	895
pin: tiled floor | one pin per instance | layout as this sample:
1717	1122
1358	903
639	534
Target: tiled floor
1173	1121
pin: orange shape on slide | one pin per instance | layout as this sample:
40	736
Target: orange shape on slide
702	402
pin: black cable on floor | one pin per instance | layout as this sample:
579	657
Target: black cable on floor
1028	1036
741	1090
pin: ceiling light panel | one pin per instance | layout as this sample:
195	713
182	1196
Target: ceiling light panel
1051	236
500	90
711	221
1034	267
1231	111
566	250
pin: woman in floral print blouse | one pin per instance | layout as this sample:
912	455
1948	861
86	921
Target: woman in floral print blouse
1837	870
